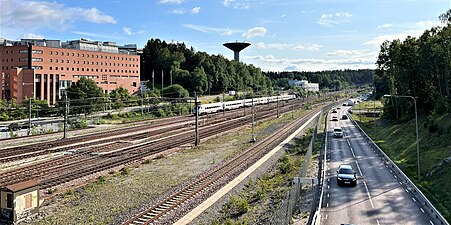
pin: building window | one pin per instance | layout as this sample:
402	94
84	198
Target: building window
7	51
62	68
62	53
67	68
67	61
51	68
82	55
23	51
51	60
9	200
28	202
36	59
37	51
56	68
87	55
73	54
134	84
78	69
72	68
97	70
57	60
82	69
97	56
56	53
51	53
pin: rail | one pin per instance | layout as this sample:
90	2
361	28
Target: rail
414	190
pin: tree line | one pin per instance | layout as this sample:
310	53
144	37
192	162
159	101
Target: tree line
418	67
198	71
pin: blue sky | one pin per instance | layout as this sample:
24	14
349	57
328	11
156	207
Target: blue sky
310	35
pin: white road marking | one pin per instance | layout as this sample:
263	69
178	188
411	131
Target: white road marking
328	179
396	177
327	205
328	187
329	195
400	183
328	174
369	196
407	190
391	171
358	167
326	216
377	222
431	222
352	152
422	210
349	144
414	199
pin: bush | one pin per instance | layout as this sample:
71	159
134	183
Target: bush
68	193
285	164
125	171
236	205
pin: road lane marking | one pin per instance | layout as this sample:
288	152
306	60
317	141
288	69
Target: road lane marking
369	196
422	210
396	177
400	182
414	199
326	216
327	205
328	187
328	197
349	144
358	167
407	190
352	152
431	222
377	222
391	171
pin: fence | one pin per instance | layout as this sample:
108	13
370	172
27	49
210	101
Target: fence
291	202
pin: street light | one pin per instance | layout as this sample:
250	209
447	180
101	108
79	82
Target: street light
416	124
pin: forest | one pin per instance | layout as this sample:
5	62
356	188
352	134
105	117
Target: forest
418	67
203	73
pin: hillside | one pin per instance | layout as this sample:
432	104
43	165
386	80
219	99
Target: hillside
398	141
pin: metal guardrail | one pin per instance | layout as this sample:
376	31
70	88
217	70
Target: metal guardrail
316	219
435	215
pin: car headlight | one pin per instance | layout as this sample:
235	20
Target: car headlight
339	178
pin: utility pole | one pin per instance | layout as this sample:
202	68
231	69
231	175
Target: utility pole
162	82
65	116
196	142
292	109
180	104
244	105
170	73
277	106
142	105
223	104
153	80
29	118
253	115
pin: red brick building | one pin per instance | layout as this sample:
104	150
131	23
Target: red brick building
43	72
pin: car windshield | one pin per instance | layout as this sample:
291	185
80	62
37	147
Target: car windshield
337	130
345	171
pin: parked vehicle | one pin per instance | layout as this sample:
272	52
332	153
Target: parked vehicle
344	117
351	102
4	129
15	126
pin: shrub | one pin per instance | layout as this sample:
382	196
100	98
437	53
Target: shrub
125	171
101	179
285	164
68	193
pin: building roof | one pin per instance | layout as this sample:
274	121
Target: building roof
22	185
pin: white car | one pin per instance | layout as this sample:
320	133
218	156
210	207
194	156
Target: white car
338	132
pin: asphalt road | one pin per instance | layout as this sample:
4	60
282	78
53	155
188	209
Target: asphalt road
378	198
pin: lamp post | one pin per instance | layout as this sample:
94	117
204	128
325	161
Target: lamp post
416	127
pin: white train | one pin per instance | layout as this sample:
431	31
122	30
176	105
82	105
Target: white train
236	104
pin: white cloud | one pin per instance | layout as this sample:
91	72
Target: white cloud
344	53
181	11
83	33
280	46
178	11
330	20
385	26
380	39
212	30
254	32
237	4
32	15
283	15
273	63
171	1
129	31
195	10
32	36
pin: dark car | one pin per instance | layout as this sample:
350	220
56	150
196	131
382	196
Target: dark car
346	175
344	117
14	126
334	118
334	111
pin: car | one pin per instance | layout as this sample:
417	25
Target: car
14	126
346	175
344	117
4	129
334	118
338	108
344	104
338	132
334	111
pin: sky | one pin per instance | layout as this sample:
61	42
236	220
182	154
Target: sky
301	35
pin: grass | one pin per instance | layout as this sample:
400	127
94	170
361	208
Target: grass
103	201
398	140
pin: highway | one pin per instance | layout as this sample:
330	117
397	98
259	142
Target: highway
378	198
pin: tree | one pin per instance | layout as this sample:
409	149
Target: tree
175	91
85	96
119	97
199	80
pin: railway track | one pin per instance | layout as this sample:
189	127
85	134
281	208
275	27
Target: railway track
211	179
82	163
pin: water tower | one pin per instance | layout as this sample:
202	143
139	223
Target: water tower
236	47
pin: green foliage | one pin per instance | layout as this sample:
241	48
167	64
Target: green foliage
85	96
236	205
285	164
175	91
125	171
68	193
51	191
